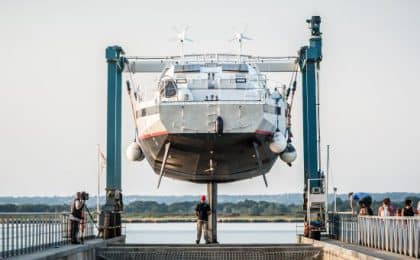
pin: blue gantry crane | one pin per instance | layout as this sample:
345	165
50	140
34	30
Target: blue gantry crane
309	58
315	191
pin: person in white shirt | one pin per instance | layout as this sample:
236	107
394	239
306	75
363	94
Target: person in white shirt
418	207
386	210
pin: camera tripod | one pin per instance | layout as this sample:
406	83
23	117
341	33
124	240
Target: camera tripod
91	218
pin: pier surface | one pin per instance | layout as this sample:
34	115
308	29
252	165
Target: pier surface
86	251
334	249
210	251
306	249
100	249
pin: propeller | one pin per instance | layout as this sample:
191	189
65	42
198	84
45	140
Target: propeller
211	166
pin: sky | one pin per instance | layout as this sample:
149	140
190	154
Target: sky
53	87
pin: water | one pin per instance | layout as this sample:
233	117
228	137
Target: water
240	233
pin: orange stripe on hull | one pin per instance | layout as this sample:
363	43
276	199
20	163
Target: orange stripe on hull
263	132
146	136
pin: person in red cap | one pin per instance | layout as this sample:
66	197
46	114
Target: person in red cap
202	211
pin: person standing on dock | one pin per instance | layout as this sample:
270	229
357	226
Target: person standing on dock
202	211
408	210
76	216
418	208
386	209
363	199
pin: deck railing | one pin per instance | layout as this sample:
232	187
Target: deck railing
399	235
23	233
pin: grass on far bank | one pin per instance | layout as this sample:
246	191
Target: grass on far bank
139	218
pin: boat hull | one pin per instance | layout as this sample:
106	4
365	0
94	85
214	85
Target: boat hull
209	157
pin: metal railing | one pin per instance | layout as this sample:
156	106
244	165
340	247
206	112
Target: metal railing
399	235
216	58
23	233
344	227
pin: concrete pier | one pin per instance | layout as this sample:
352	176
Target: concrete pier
334	249
86	251
305	249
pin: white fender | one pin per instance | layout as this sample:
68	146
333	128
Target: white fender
279	143
134	152
289	154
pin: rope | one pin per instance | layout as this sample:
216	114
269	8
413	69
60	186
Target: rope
130	73
292	88
133	112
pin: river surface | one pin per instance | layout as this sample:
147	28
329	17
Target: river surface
240	233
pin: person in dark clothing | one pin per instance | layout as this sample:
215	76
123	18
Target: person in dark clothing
76	216
202	211
370	211
408	210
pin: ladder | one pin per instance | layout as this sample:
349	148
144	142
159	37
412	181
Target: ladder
212	114
317	200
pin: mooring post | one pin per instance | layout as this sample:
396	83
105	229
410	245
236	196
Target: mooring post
212	197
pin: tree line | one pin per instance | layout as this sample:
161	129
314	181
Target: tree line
153	208
33	208
241	208
246	207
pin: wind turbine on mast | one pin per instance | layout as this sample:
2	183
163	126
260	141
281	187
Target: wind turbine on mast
240	37
181	37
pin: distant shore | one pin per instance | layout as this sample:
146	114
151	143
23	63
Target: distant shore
222	219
